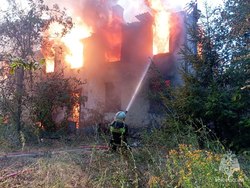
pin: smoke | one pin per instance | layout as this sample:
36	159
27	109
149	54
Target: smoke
97	12
72	7
107	17
133	8
118	33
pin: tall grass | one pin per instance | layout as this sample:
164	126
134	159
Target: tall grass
174	156
9	138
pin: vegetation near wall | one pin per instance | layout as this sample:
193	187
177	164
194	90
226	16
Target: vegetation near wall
22	34
216	77
164	159
54	94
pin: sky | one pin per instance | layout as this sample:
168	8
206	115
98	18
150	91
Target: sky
212	3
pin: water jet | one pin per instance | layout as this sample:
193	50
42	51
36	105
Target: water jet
139	85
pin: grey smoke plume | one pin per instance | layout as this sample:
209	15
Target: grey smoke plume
97	12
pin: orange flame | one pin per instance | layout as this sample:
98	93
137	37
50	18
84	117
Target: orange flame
76	111
73	42
113	37
50	65
161	31
112	34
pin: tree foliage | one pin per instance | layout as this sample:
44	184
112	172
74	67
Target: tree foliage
214	89
21	37
53	94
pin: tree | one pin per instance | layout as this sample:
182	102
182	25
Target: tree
212	90
21	37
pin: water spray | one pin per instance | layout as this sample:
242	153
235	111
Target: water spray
139	85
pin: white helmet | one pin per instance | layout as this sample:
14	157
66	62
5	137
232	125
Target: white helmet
120	115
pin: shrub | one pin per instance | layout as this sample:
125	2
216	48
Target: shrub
9	137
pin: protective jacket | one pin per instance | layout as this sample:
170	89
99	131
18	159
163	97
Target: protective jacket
119	133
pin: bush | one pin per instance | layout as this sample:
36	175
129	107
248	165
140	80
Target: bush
9	137
190	167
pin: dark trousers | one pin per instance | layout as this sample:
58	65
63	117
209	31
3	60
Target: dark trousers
118	140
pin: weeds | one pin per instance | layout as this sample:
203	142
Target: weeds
199	168
9	138
165	159
57	171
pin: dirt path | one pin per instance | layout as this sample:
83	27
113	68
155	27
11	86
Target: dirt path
84	149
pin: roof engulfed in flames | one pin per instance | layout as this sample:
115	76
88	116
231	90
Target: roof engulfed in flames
74	44
109	25
71	43
161	32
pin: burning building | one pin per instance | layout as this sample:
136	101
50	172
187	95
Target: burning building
111	55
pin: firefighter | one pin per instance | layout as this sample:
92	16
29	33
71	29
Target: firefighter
119	131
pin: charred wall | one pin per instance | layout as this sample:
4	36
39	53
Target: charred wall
111	84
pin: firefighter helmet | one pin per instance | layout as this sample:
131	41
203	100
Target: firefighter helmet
120	115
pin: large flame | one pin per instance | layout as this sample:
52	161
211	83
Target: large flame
113	36
50	65
72	42
161	31
113	53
